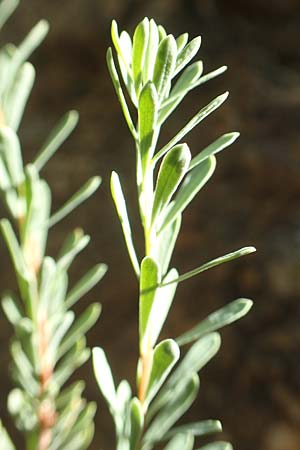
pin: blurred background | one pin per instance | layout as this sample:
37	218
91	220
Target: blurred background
253	384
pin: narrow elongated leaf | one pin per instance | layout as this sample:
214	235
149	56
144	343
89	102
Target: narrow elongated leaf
60	332
179	91
218	319
136	421
7	7
32	40
139	49
125	67
151	52
147	112
194	181
166	243
10	151
209	76
56	138
5	441
216	147
5	182
161	32
164	65
104	377
187	53
85	321
18	94
213	263
165	356
161	305
117	85
183	395
183	441
79	243
12	308
85	284
197	428
171	172
149	277
24	370
201	115
119	47
220	445
181	41
79	197
119	200
197	357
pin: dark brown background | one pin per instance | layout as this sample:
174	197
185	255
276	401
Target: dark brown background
253	384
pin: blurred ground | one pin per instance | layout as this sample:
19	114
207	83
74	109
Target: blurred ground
253	385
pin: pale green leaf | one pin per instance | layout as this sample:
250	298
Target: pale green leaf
147	118
117	85
85	321
79	197
32	40
7	7
149	277
166	241
197	428
151	52
12	308
218	319
192	184
139	49
187	53
215	147
165	356
164	66
171	172
10	151
5	441
56	138
201	115
183	396
183	441
119	200
137	422
85	284
104	377
181	41
220	445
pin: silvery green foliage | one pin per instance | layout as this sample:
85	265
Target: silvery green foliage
153	69
49	341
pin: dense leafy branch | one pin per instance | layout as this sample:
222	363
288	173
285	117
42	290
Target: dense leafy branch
153	71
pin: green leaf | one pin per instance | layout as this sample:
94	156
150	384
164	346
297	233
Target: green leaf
151	52
12	308
119	46
213	263
10	151
197	428
161	32
79	243
125	67
161	305
217	146
165	356
56	138
181	442
220	445
201	115
16	98
117	85
193	183
119	200
181	41
7	7
32	40
79	197
23	370
139	49
149	278
147	112
137	422
218	319
209	76
164	66
85	284
171	172
187	53
197	357
104	377
179	91
75	357
166	243
85	321
183	396
5	441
